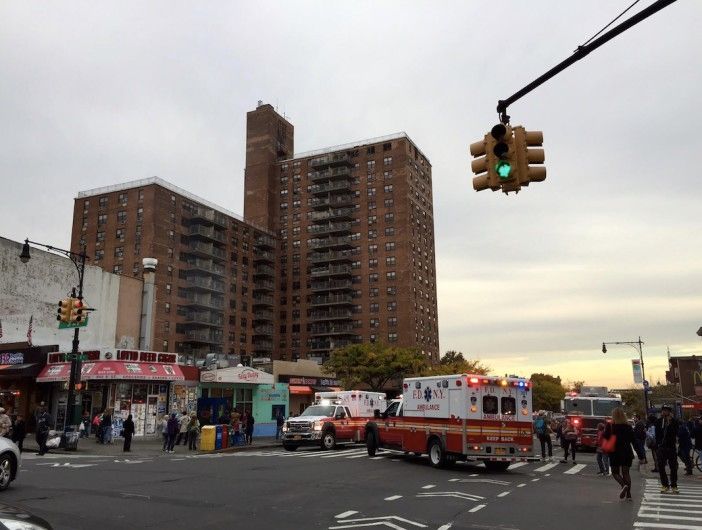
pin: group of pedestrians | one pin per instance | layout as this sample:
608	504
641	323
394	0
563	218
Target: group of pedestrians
14	430
179	427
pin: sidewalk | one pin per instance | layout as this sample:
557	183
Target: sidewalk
146	446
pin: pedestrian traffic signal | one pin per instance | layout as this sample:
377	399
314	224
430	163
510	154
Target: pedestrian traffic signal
64	310
77	308
525	142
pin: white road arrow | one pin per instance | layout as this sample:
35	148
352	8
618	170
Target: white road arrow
127	461
486	481
66	464
455	494
378	521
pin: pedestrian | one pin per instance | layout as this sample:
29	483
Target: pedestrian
279	422
193	431
250	421
106	427
697	433
666	440
19	431
651	440
183	422
685	446
128	432
85	425
236	426
543	433
5	424
44	424
569	438
640	440
621	457
97	420
163	427
173	428
602	456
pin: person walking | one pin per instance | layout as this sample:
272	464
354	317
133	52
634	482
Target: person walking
666	440
44	424
128	432
640	440
250	421
163	427
106	426
173	428
651	440
602	457
543	433
19	431
193	431
97	420
569	437
279	422
183	422
85	425
697	434
685	446
5	424
622	456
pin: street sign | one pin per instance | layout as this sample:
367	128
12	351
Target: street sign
636	367
67	325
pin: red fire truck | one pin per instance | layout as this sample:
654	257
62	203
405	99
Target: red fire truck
593	405
458	417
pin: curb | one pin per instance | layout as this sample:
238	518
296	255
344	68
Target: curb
241	448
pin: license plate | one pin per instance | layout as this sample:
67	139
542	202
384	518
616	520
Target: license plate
297	437
500	451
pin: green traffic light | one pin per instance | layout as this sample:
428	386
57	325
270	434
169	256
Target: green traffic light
503	169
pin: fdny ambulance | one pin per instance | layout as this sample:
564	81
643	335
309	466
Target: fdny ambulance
334	418
458	417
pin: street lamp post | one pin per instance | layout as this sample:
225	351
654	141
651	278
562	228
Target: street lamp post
637	345
73	408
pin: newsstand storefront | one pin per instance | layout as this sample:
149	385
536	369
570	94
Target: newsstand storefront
138	383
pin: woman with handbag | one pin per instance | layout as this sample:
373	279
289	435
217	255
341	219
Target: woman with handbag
569	437
618	442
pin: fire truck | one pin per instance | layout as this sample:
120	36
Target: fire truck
458	417
593	405
335	417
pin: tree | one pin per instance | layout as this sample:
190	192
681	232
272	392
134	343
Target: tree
453	362
575	386
548	392
373	364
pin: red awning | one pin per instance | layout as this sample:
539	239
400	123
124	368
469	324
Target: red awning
97	370
299	389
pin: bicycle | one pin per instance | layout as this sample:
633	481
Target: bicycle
697	459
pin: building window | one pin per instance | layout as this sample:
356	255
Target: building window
167	307
168	288
387	146
387	175
140	214
387	160
102	219
392	306
122	217
103	202
141	195
373	277
165	345
389	217
388	188
171	235
373	263
370	150
392	321
392	337
356	265
372	219
390	231
119	234
99	254
390	246
389	203
372	234
374	323
391	291
372	249
374	307
390	260
100	236
390	275
123	199
373	292
371	192
117	269
119	252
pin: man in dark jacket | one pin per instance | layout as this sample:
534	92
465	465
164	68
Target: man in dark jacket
173	427
666	441
640	439
685	447
44	424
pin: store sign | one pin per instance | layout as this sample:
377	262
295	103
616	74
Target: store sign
238	374
310	381
11	358
248	375
207	377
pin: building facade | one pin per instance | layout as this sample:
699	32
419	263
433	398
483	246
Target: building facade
686	373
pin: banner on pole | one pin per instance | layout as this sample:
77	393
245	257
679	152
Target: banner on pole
636	367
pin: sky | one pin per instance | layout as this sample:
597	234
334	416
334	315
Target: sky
607	248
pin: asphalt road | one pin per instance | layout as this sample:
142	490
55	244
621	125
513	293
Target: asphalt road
335	490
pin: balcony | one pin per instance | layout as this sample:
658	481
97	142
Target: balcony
263	300
330	228
331	314
328	257
205	318
332	174
202	265
206	214
207	284
326	345
333	285
331	242
203	231
263	346
265	242
202	336
332	202
341	185
207	250
264	270
329	300
332	329
332	159
263	315
264	285
263	330
207	301
262	256
331	270
336	213
198	352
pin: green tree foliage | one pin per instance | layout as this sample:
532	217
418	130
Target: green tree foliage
575	386
373	365
453	362
548	392
633	400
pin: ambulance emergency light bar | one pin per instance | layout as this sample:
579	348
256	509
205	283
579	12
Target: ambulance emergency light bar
477	381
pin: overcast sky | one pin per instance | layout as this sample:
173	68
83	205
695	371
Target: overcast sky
607	248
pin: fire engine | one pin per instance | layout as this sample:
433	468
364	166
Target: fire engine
335	417
458	417
593	405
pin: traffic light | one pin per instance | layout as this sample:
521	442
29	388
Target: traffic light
525	142
77	308
64	310
496	168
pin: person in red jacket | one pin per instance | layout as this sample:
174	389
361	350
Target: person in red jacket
602	457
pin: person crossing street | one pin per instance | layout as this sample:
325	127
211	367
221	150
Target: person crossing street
666	454
543	433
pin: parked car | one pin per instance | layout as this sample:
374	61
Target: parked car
10	461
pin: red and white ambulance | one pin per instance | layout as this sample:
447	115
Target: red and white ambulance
334	418
458	417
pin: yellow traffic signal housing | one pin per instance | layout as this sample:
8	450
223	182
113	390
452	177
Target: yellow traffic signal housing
528	153
484	160
64	310
494	159
77	309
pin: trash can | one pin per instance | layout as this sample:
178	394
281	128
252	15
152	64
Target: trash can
69	440
218	437
207	438
225	436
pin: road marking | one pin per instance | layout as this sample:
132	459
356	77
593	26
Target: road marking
377	457
655	503
345	514
473	475
454	479
485	481
428	486
445	526
456	494
535	480
476	508
518	464
546	467
393	497
66	464
668	516
362	455
643	524
344	453
136	495
575	469
503	494
666	509
547	475
521	485
378	521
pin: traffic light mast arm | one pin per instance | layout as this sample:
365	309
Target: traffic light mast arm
581	52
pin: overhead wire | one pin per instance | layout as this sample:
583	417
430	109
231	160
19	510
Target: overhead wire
608	25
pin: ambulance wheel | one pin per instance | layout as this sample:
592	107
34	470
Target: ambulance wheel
371	444
437	455
290	447
496	466
328	440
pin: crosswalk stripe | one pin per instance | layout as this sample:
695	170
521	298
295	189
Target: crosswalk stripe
646	524
546	467
344	453
669	516
575	469
518	464
663	508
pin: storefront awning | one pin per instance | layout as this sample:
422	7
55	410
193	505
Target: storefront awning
301	390
27	369
113	370
237	374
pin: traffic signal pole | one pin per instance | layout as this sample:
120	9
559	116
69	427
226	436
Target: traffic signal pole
581	52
